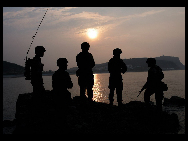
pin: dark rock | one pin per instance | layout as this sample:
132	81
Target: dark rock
174	100
45	116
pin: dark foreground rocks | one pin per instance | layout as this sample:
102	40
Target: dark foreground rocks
44	115
174	101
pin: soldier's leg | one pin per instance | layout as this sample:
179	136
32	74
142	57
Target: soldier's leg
148	92
90	92
41	88
38	87
82	91
36	90
90	83
82	83
119	94
159	98
111	95
67	97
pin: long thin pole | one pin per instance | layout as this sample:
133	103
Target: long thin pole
36	33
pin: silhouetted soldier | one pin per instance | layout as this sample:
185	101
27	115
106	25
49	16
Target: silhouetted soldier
33	70
85	63
116	66
154	84
61	81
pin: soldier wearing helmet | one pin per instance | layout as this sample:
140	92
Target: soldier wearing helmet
61	81
33	70
85	63
154	83
116	66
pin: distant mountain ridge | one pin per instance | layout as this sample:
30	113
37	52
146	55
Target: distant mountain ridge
139	64
133	65
12	68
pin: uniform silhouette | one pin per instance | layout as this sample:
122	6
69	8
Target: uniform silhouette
154	83
61	81
85	63
116	66
33	70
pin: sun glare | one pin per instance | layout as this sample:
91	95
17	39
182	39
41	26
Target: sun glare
92	33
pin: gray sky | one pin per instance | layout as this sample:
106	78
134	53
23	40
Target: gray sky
138	31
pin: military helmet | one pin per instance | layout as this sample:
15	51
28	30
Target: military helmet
151	61
39	49
117	51
62	61
85	46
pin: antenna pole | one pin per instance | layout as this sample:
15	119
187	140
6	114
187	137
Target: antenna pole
36	33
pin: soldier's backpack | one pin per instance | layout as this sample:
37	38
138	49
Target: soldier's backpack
27	72
164	86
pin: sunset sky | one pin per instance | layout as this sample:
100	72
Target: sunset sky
138	31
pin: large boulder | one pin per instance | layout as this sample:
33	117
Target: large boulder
45	116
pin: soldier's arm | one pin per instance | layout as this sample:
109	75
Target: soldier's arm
27	72
124	67
53	81
109	66
69	82
144	87
160	74
77	60
92	62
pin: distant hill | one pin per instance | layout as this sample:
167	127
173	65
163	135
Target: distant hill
133	65
172	59
139	64
12	68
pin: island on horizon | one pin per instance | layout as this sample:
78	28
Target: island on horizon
133	65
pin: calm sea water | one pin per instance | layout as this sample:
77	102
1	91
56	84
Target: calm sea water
132	83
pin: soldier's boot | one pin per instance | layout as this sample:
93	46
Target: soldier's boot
119	104
111	102
111	95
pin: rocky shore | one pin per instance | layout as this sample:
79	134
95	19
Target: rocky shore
44	115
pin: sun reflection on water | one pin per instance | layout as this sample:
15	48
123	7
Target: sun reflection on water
98	95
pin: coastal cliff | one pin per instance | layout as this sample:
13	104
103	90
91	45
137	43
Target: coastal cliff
45	116
139	65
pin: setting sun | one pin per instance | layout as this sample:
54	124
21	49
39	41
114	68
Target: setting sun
92	33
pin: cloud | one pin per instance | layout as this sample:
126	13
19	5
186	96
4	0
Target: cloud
58	17
30	16
100	22
144	14
91	15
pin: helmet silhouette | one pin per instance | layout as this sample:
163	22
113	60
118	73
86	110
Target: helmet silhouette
39	49
62	61
117	51
151	61
85	46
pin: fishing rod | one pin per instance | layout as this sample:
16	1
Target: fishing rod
35	34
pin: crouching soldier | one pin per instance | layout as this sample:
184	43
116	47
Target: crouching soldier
61	81
154	84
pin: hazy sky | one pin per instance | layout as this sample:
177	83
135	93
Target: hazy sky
138	31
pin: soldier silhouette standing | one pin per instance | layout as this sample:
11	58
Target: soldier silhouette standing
116	66
61	81
33	71
154	84
85	63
